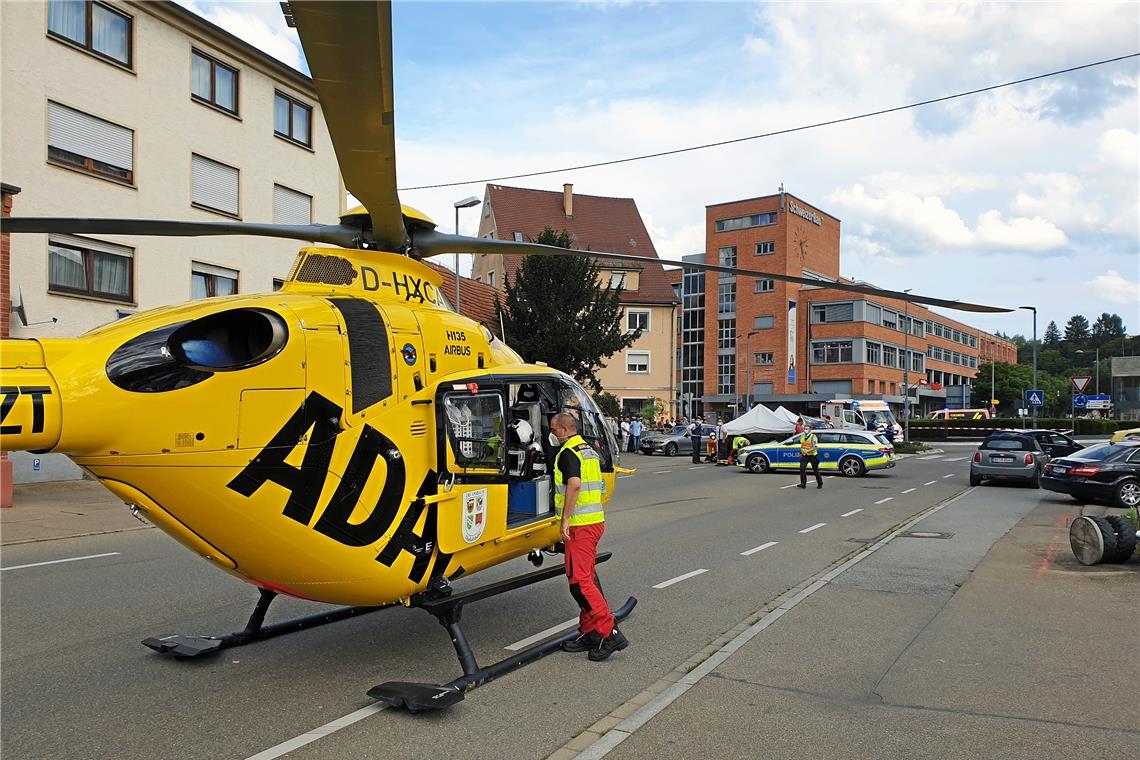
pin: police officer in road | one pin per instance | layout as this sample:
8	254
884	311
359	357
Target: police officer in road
578	491
697	438
809	453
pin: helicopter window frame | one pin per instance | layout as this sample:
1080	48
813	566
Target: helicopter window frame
90	251
477	462
211	100
292	104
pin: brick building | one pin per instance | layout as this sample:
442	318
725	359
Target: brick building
783	343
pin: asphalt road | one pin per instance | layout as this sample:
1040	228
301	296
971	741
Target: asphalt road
77	682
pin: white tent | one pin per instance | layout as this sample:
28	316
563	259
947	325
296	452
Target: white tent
789	416
760	419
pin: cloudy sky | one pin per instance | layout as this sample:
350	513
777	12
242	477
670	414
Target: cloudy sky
1024	195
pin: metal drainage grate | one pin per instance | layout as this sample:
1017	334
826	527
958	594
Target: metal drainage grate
925	534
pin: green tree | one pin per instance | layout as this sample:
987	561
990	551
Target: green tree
556	312
608	403
1052	335
651	409
1010	381
1077	328
1108	326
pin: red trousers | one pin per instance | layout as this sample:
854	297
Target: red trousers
581	550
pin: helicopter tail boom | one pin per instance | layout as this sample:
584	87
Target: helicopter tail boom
31	413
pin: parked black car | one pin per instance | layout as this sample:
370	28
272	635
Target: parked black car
1051	442
1104	472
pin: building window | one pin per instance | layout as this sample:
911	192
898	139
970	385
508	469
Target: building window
728	256
763	323
726	298
491	279
832	352
726	374
93	26
617	280
765	247
291	207
292	120
890	319
518	237
726	334
637	320
890	356
874	354
745	222
80	266
833	312
762	357
916	361
213	185
637	362
207	281
213	82
871	387
873	313
90	144
765	286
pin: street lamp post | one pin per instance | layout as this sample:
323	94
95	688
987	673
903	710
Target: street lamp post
465	203
906	368
749	358
1034	310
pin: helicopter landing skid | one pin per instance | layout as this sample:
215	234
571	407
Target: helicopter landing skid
418	697
181	647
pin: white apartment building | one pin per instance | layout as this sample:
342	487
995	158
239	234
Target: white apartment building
145	110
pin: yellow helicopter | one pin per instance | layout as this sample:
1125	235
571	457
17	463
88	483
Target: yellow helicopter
348	439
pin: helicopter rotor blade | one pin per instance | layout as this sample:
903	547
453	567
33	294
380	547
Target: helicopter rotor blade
432	242
348	46
335	234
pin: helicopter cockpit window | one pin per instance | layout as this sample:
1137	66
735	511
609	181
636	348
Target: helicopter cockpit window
475	430
591	426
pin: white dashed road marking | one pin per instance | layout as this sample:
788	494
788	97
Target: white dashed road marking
884	501
948	476
956	459
680	578
932	456
909	490
852	512
759	548
297	742
697	467
790	485
930	482
58	561
809	530
524	643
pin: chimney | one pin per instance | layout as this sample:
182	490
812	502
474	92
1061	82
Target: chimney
568	200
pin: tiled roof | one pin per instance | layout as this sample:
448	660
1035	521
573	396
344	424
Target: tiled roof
476	300
611	225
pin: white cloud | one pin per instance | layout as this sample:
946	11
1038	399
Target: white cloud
1122	148
1115	288
260	24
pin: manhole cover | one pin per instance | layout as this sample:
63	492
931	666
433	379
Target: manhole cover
925	534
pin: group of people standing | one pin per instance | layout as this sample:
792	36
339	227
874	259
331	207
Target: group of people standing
629	433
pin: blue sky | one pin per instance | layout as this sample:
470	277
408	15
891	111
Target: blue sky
1027	195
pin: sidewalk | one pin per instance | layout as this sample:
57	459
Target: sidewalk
63	509
954	647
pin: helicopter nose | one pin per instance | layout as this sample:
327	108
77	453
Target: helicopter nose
31	414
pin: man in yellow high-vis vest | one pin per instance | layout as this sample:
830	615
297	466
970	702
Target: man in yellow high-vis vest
809	454
578	492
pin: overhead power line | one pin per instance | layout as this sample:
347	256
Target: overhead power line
790	130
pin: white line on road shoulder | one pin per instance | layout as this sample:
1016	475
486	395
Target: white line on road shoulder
932	456
680	578
884	501
948	476
58	561
662	472
930	482
791	485
297	742
524	643
809	530
852	512
759	548
955	459
625	476
698	467
909	490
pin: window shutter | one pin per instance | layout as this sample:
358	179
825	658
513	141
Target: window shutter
291	207
91	244
90	137
214	185
840	312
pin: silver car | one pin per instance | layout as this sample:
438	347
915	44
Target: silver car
1008	456
671	442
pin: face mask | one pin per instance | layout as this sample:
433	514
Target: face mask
554	440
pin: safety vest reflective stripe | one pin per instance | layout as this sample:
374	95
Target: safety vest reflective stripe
588	508
807	445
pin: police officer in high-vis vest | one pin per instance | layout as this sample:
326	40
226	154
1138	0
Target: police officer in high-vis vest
578	491
809	453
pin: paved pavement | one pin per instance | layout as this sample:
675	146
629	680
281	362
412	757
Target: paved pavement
990	642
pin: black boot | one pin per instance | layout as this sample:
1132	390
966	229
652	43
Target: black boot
582	642
615	642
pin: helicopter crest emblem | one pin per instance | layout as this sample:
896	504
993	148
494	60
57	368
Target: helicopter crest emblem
474	514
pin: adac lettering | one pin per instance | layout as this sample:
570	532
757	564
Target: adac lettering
10	394
317	417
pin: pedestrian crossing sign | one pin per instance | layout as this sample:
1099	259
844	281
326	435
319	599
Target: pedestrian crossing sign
1035	397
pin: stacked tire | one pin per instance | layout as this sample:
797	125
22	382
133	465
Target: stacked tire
1102	539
